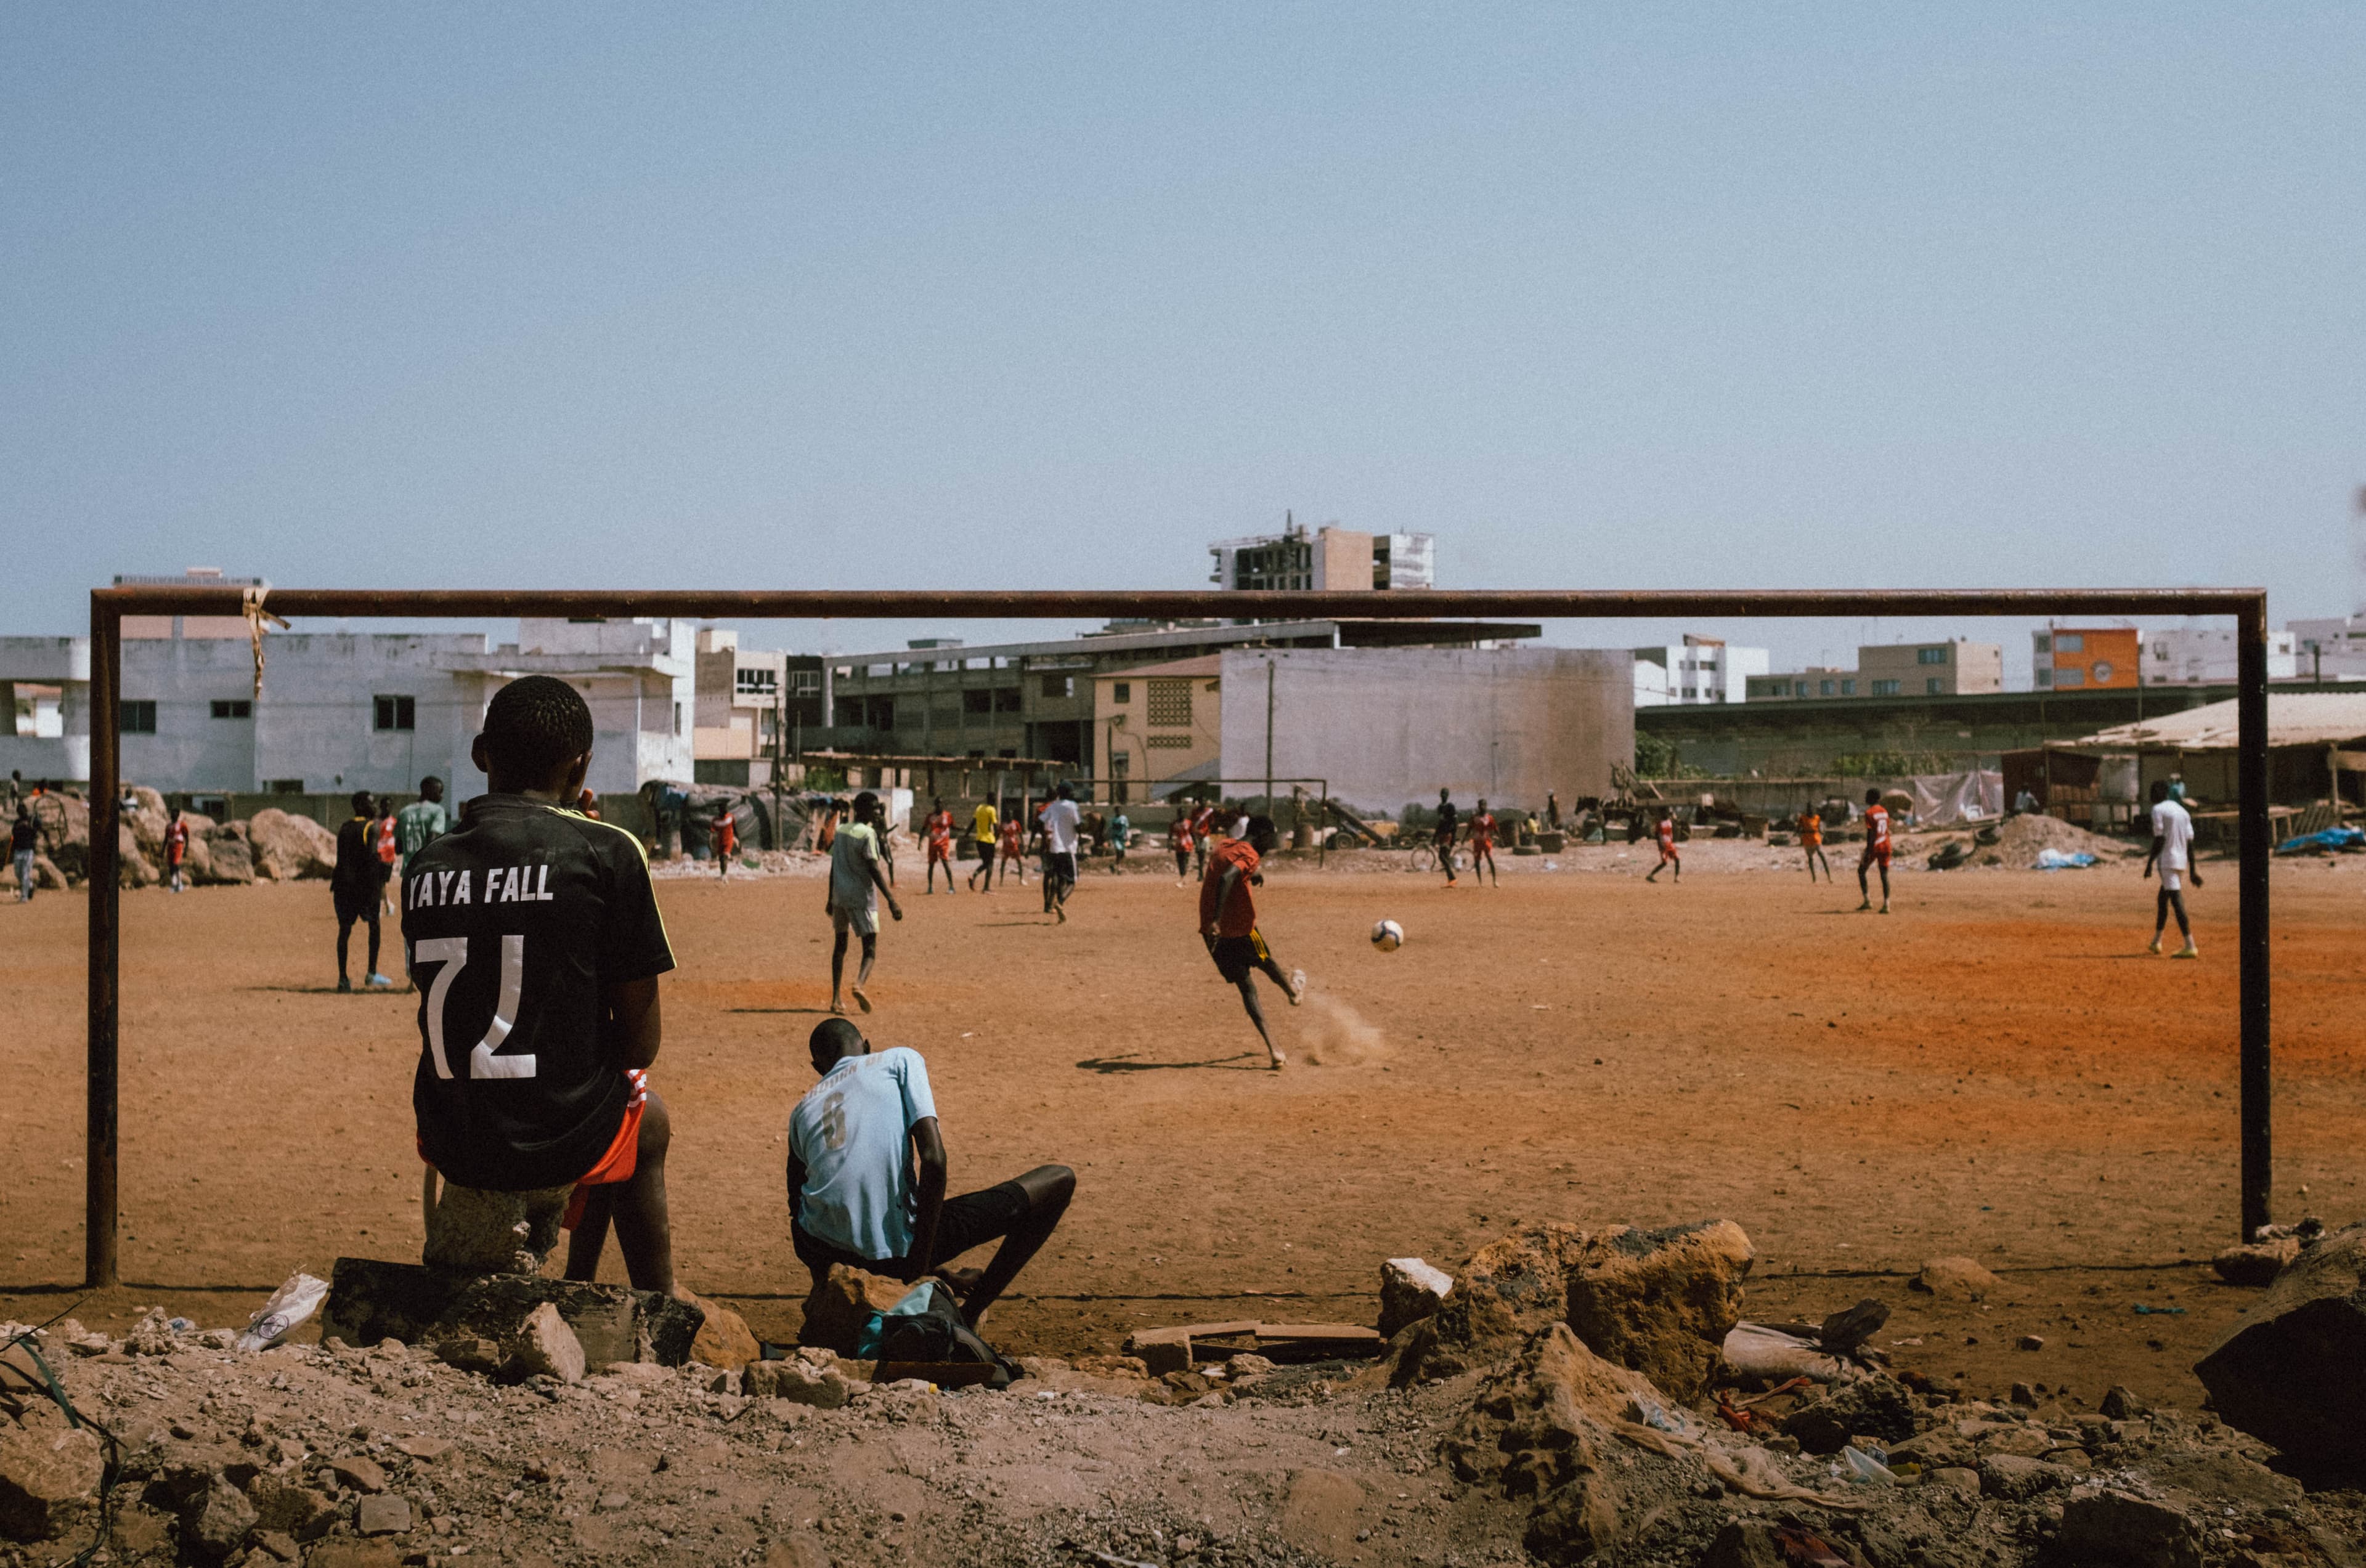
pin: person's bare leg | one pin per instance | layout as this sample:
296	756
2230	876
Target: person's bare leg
644	1224
1256	1015
863	976
1048	1188
837	971
1865	894
1885	888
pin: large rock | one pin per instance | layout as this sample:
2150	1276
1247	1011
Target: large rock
1874	1407
2115	1527
2294	1371
2258	1263
227	858
841	1301
724	1340
1544	1426
48	1480
1952	1280
217	1519
1409	1290
1661	1302
286	847
545	1346
370	1300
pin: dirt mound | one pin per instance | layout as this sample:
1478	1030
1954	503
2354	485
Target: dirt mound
2022	838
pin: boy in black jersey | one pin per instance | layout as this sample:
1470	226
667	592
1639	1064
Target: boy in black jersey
536	942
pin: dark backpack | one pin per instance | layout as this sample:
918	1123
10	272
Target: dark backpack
937	1334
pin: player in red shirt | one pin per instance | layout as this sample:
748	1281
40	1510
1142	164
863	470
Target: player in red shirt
1180	837
724	838
940	829
176	847
1811	838
1014	846
1228	923
1203	829
1876	849
382	840
1666	833
1483	843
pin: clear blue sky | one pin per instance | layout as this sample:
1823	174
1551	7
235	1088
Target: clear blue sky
1649	296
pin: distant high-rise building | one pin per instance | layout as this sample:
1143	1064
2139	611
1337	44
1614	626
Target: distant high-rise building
1331	559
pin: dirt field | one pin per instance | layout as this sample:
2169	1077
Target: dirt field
1998	1069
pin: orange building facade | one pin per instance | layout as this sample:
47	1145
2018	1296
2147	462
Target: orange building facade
2082	658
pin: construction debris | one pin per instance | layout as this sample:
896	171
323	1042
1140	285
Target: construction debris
2294	1371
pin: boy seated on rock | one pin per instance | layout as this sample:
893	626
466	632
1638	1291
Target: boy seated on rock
867	1178
535	940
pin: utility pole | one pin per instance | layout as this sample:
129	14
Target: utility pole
1268	736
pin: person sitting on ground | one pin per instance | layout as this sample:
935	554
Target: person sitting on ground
536	944
867	1178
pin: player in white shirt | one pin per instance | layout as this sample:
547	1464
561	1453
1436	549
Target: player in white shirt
1062	825
2173	847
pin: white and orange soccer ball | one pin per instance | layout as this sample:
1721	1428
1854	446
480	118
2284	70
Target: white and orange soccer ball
1387	936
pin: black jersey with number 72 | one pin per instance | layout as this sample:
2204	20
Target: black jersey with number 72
516	925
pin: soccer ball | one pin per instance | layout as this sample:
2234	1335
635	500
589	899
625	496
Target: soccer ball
1387	936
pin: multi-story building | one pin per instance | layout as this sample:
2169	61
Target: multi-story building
1697	670
1815	681
2085	658
1331	559
1160	724
939	698
1929	669
2330	650
351	710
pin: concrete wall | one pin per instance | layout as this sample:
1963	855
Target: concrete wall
1390	725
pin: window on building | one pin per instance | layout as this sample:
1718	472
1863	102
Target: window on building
1121	692
804	682
395	713
283	787
2069	642
1930	655
1848	688
978	701
2102	672
233	707
1824	688
2070	677
138	716
1059	685
2045	643
2044	676
755	682
1170	702
1885	688
1007	699
1933	686
677	719
1778	688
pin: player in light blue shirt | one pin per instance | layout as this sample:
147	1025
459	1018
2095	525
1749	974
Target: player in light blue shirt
867	1178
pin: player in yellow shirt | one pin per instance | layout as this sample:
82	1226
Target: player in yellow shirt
985	826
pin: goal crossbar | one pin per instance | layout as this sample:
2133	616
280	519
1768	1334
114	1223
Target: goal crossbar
2249	606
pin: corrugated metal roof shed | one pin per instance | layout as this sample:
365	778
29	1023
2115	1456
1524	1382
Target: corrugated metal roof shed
2294	719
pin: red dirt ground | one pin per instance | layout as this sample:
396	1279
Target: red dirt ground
1998	1069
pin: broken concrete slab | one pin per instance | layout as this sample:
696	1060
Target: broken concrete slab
2257	1264
2119	1528
2294	1371
370	1300
1410	1290
545	1346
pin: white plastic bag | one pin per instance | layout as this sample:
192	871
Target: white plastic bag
290	1304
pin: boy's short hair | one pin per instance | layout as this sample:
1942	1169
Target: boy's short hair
1261	829
363	802
1873	797
866	804
833	1037
2159	791
429	781
535	725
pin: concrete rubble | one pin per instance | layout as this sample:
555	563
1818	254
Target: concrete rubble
1498	1428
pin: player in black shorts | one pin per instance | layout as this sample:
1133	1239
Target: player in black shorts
536	942
1444	835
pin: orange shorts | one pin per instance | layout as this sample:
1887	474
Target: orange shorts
618	1164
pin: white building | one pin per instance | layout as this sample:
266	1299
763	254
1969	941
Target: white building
1697	670
2329	649
349	710
2201	654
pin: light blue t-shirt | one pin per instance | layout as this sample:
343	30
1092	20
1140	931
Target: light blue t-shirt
853	1132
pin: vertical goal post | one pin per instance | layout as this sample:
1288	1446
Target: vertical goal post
108	606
